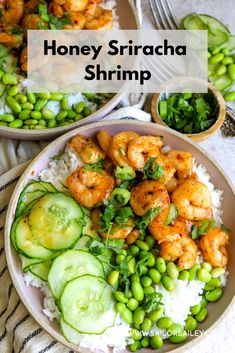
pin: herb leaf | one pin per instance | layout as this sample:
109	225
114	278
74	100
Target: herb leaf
144	221
153	170
152	302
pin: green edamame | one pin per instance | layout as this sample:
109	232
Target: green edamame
145	342
142	245
135	278
183	275
64	104
190	324
172	270
131	264
151	260
120	297
21	98
1	73
156	342
231	71
31	122
195	309
86	111
217	272
215	51
216	58
147	324
227	60
16	123
215	282
120	258
7	118
193	271
71	114
225	51
48	113
78	117
164	322
25	127
127	316
36	115
155	275
62	115
56	96
40	103
174	329
150	241
80	106
136	335
214	295
24	114
156	314
146	281
31	97
134	347
137	291
203	302
207	266
134	250
160	264
44	95
2	123
51	123
138	315
42	122
168	283
13	91
179	338
201	315
229	97
27	105
148	290
221	70
38	127
13	104
113	277
132	304
120	307
10	79
203	275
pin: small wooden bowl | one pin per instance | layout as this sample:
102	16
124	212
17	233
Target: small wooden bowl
201	135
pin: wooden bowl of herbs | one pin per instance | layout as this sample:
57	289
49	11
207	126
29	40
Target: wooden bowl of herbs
196	115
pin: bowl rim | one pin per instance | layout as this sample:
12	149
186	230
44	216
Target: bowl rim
197	136
8	221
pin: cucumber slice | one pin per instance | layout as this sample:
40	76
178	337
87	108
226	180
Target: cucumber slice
216	37
54	220
26	262
47	186
2	89
13	233
230	44
72	264
27	243
194	22
26	199
222	83
87	304
212	22
81	243
69	333
88	228
41	270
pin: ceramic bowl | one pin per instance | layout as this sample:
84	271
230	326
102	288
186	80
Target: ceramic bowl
127	20
32	297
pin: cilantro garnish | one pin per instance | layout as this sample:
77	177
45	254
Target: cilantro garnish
152	302
202	228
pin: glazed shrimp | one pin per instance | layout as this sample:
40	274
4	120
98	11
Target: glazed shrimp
192	200
30	5
75	5
86	149
142	148
213	247
117	231
118	147
33	21
23	59
183	249
182	162
162	232
11	36
56	9
104	140
168	167
102	19
90	188
78	20
12	11
132	237
148	194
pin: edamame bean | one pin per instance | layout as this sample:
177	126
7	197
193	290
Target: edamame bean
16	123
164	322
113	277
7	118
36	115
31	97
151	260
10	79
51	123
217	272
195	309
131	264
1	73
48	113
137	291
229	96
168	283
13	91
142	245
25	127
27	106
134	250
64	104
120	297
215	282
146	281
127	316
203	302
225	51
120	258
134	347
44	95
203	275
56	96
179	338
227	60
120	307
145	342
135	278
21	98
136	335
190	324
138	315
160	264
13	104
208	55
71	114
193	271
174	329
31	122
155	275
172	270
156	314
231	71
150	241
207	266
42	122
38	127
221	70
201	315
24	114
147	324
132	304
216	58
183	275
148	290
156	342
39	104
214	295
86	111
80	106
2	123
215	51
61	115
78	117
137	326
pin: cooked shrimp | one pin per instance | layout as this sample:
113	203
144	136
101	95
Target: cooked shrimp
75	5
86	149
184	249
104	140
117	231
118	147
141	149
182	162
10	35
192	200
33	21
102	19
133	236
162	232
56	9
213	247
90	188
78	20
23	59
172	184
90	8
168	167
30	5
148	194
12	11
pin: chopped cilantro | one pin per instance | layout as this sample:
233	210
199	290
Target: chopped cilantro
152	302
